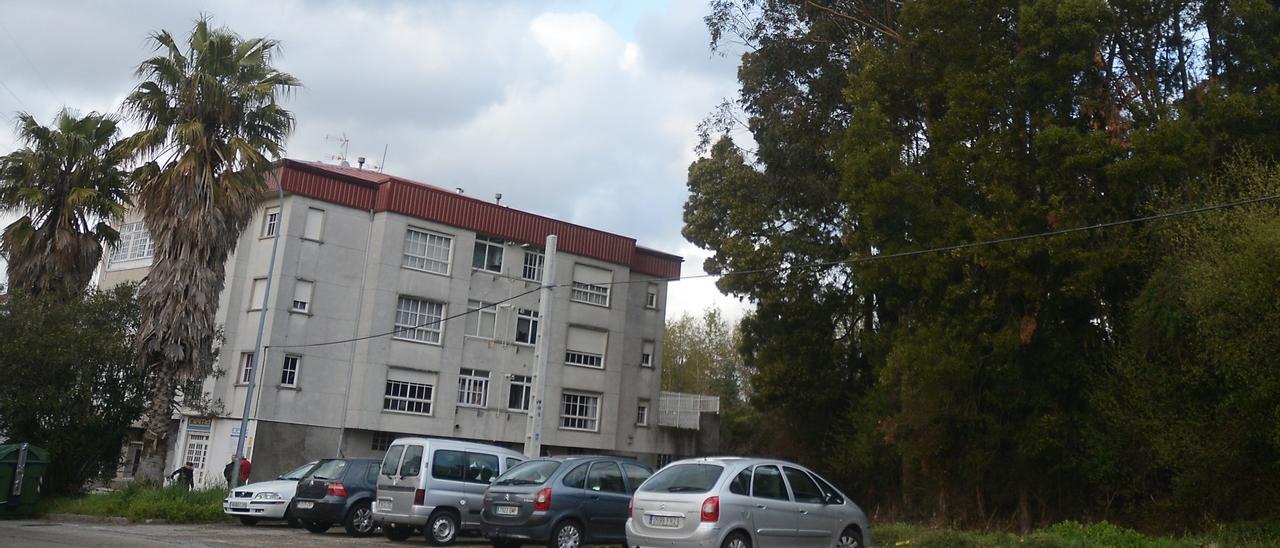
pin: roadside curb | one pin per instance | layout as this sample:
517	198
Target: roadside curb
114	520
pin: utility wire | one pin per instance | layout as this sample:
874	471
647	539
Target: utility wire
855	260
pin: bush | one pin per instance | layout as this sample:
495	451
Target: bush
137	503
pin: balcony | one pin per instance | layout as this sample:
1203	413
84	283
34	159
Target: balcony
683	411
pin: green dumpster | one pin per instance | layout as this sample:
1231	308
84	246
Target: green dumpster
22	466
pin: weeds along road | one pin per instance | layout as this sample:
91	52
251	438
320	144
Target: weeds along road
42	534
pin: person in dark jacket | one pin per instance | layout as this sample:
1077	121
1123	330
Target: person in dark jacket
184	476
245	466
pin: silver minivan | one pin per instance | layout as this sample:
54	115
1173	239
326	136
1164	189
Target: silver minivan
436	485
731	502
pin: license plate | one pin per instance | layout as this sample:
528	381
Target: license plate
306	505
506	510
236	504
664	521
384	506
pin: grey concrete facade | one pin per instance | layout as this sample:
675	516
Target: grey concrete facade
355	265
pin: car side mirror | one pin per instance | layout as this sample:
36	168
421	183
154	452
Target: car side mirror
833	499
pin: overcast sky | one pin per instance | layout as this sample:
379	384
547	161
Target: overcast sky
580	110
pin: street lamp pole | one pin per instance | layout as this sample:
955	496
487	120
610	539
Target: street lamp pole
533	431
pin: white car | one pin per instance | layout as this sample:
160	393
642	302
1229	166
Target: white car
265	499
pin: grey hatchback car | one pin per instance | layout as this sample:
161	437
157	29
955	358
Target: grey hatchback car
563	502
731	502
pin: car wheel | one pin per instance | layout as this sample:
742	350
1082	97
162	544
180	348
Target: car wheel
293	522
359	520
568	534
850	538
736	540
442	528
397	533
315	526
248	520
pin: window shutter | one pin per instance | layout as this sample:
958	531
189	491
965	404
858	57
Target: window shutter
587	340
591	275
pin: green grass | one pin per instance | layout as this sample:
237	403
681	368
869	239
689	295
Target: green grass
1071	534
173	504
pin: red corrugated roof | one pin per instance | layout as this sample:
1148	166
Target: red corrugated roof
365	189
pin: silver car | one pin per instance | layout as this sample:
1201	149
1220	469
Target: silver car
730	502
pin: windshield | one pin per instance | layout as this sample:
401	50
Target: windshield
534	472
684	478
298	472
331	469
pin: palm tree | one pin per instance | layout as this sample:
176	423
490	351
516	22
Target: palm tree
212	127
68	183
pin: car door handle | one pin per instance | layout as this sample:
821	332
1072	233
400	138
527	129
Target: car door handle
804	512
762	507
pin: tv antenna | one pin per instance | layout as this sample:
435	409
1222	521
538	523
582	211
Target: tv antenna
342	141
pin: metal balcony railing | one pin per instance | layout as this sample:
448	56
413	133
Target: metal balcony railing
677	410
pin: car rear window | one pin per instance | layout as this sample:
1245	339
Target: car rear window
534	472
330	470
411	465
299	472
684	478
392	460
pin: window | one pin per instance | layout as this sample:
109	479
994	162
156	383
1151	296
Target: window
411	464
526	326
256	293
427	251
488	254
289	372
460	466
481	320
642	413
512	463
481	467
246	368
802	486
741	484
410	397
135	244
576	477
390	461
382	441
418	320
591	285
767	484
521	390
315	224
270	222
585	347
473	388
579	412
448	465
833	496
646	354
651	296
636	475
606	477
302	296
684	478
197	449
533	261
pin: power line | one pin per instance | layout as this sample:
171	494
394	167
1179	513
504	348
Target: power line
855	260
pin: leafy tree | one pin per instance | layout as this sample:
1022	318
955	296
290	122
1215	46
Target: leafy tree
958	380
68	183
700	357
212	125
70	384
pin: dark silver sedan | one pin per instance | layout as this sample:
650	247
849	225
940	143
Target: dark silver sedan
731	502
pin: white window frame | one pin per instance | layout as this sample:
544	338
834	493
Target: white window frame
580	401
270	221
651	297
135	244
473	388
525	385
487	245
306	305
534	261
642	413
481	315
595	295
245	370
288	373
308	225
580	357
429	240
531	317
646	358
405	398
197	449
416	323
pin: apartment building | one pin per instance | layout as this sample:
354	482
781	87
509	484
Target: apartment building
362	344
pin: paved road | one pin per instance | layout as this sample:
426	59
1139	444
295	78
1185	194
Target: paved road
49	534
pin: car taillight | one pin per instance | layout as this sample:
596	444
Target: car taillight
542	501
419	497
631	507
711	509
336	488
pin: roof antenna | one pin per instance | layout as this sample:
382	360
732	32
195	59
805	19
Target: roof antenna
341	157
384	156
497	198
360	162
